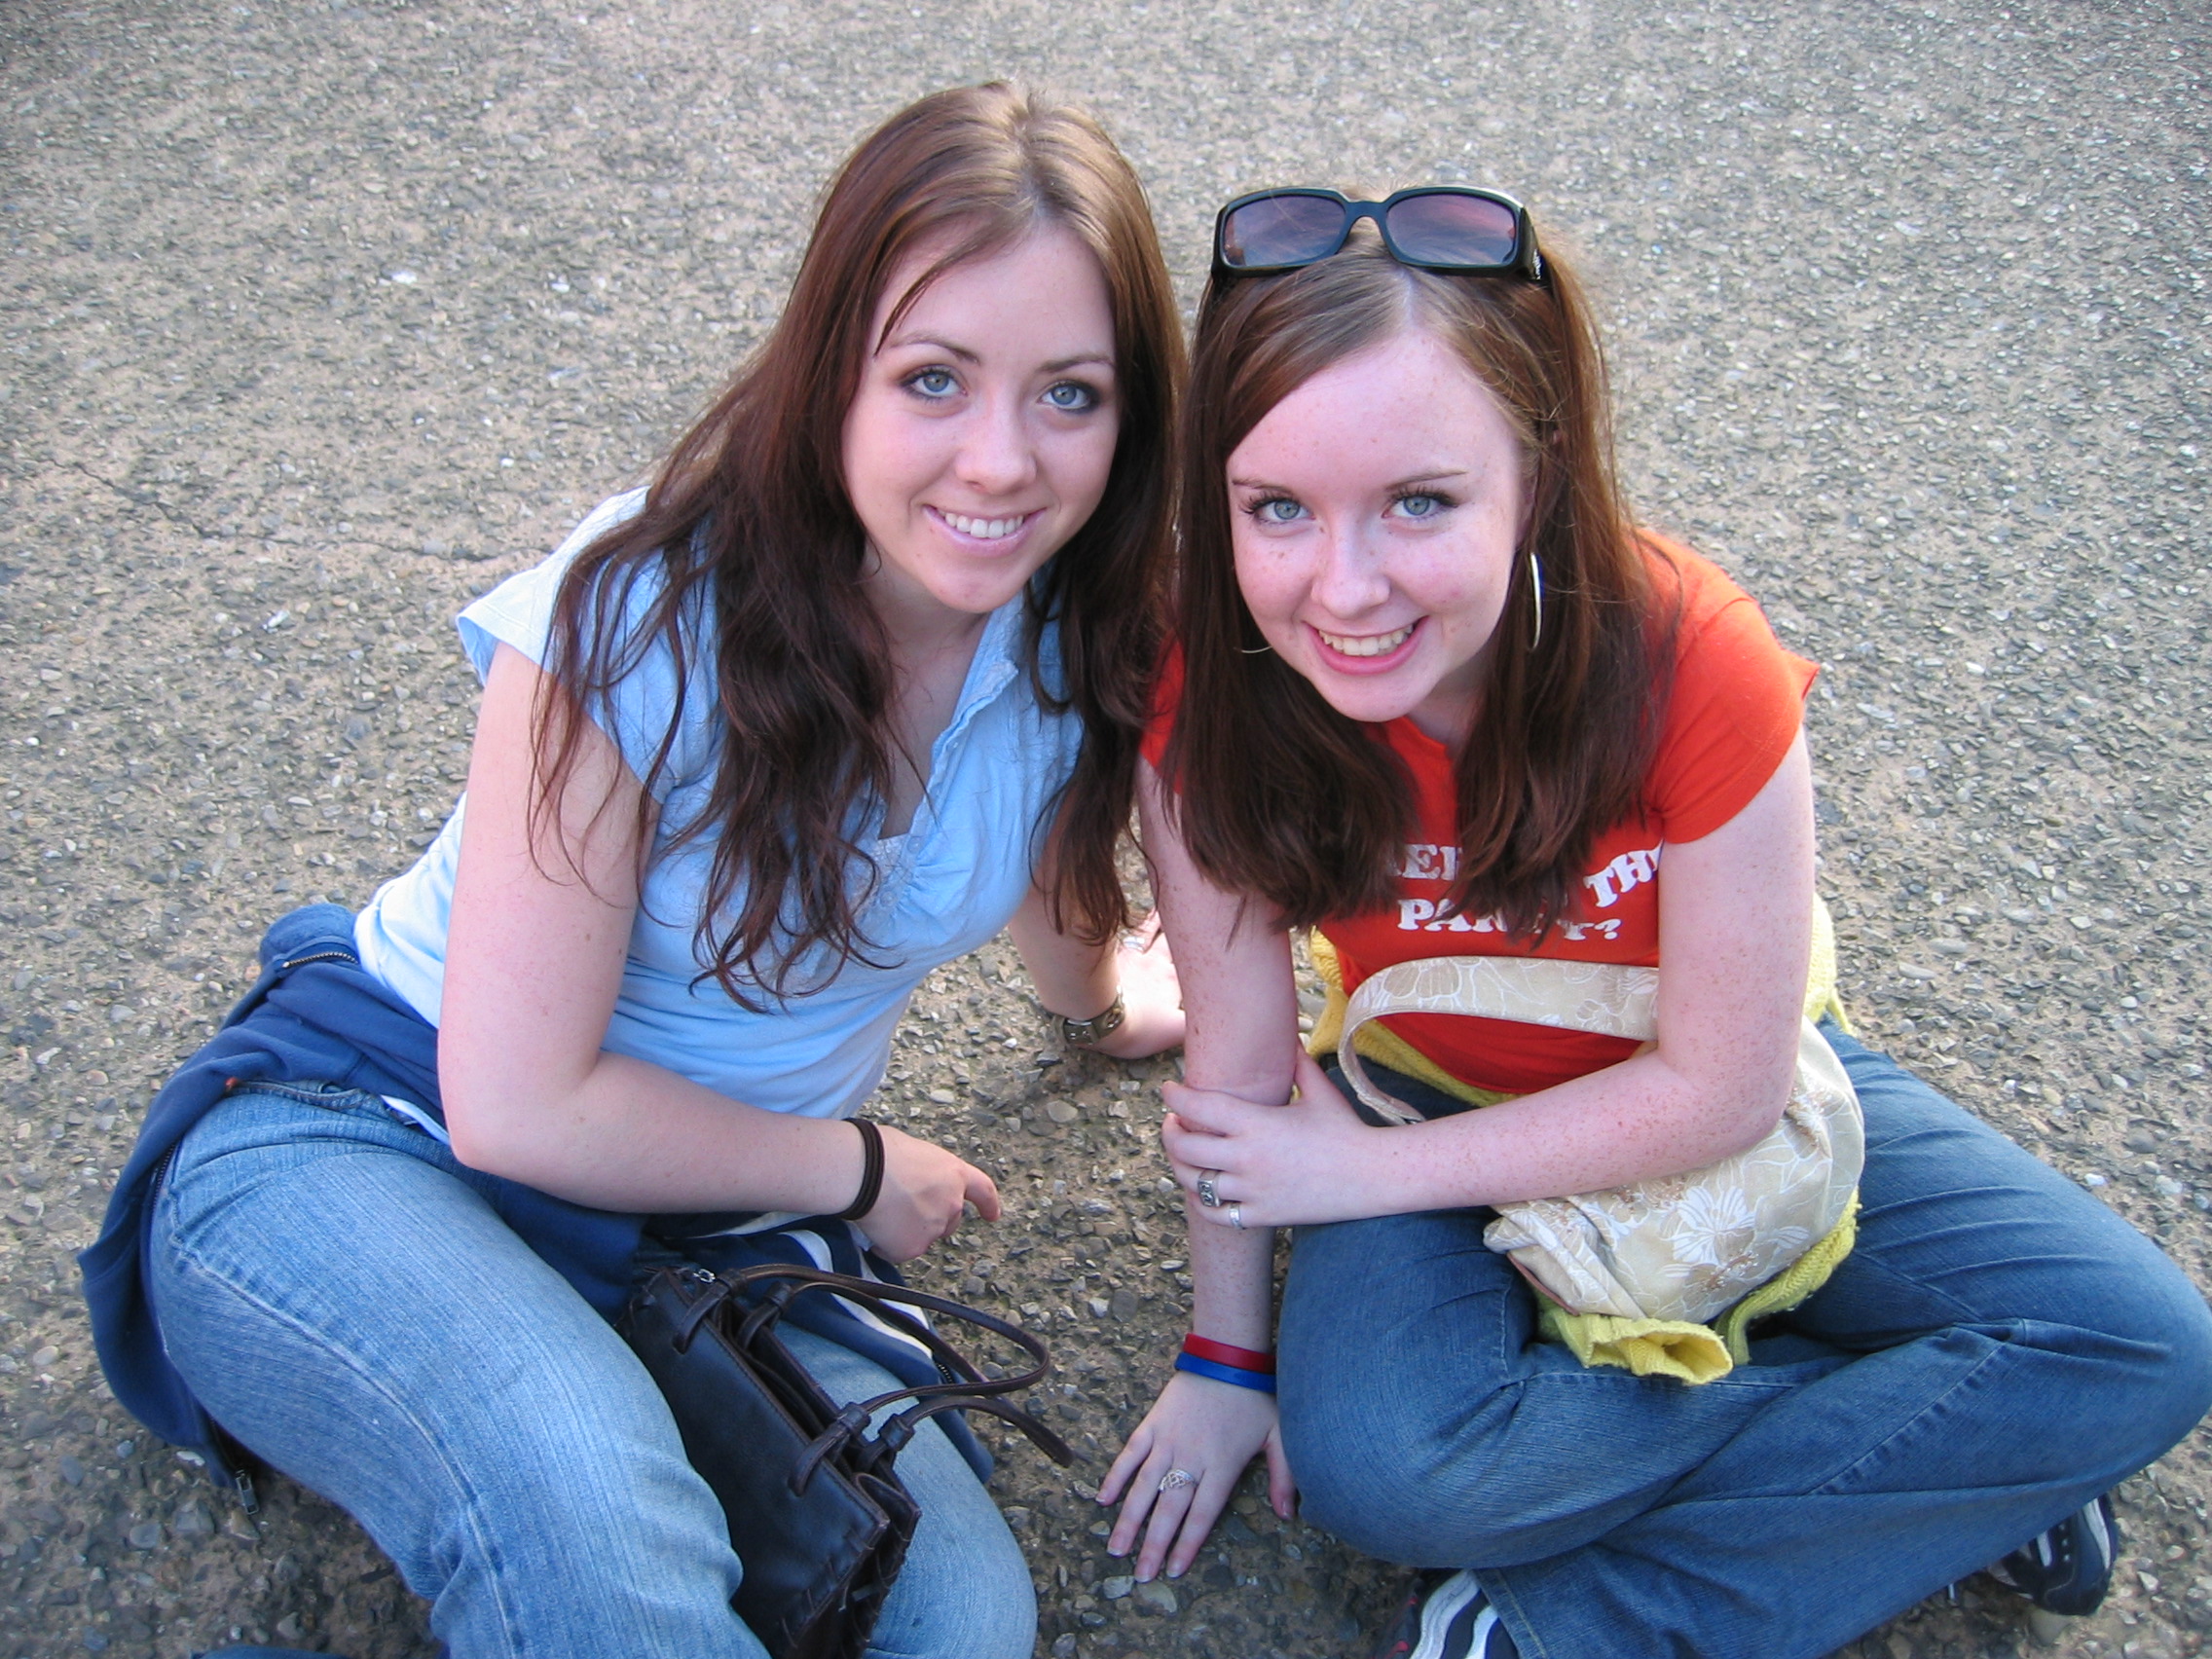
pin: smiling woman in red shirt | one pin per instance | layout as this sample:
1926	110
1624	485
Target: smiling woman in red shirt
1434	695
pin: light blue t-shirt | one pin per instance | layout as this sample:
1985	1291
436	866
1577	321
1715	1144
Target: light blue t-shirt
944	888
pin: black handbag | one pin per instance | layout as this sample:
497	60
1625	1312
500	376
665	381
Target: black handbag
815	1507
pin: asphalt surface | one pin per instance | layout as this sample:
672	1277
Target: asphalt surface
319	320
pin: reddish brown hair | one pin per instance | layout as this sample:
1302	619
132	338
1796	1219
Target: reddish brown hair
1283	797
749	517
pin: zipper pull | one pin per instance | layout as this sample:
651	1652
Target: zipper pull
241	1483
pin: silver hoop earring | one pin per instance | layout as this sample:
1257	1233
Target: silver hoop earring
1536	591
1255	651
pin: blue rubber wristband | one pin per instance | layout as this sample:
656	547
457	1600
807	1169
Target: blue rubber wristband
1197	1366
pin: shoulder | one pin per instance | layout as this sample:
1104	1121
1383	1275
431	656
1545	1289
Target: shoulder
1719	630
519	611
634	682
1708	606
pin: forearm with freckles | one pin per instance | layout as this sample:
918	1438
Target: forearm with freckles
1242	1036
1734	913
1232	1283
1632	1122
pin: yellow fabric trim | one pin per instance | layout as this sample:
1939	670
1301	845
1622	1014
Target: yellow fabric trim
1700	1354
1786	1289
1649	1347
1822	997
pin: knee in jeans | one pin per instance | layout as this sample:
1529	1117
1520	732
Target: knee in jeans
1399	1497
2179	1388
2158	1319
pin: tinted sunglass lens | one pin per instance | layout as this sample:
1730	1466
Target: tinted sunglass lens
1280	230
1449	229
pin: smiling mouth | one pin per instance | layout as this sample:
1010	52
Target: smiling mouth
983	529
1368	645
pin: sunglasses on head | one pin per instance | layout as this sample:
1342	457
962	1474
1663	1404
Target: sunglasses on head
1438	227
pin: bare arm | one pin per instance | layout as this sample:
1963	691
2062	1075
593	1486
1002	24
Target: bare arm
1242	1007
1241	1003
534	960
1734	918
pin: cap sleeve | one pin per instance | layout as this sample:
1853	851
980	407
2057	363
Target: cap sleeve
638	710
1737	702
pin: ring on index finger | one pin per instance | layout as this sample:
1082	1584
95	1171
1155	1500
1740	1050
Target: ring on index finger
1208	1194
1175	1477
1236	1217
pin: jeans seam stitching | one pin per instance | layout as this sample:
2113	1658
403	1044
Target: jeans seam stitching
346	1354
1828	1487
337	1097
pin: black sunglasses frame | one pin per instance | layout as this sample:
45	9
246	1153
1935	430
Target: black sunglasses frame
1526	263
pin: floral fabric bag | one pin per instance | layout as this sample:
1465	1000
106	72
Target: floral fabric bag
1681	1249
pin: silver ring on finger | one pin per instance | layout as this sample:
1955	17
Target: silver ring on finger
1208	1194
1175	1477
1236	1217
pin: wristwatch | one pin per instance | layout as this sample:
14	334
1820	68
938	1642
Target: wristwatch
1090	1033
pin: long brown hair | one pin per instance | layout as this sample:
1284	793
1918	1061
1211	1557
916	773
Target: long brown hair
749	518
1281	795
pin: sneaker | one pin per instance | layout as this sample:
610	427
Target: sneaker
1448	1617
2069	1568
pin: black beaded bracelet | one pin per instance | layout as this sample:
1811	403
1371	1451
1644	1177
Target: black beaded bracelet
872	1171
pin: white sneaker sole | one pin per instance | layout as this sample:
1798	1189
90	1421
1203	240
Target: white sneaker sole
1442	1610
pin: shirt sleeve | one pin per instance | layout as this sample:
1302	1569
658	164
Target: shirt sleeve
1737	701
637	711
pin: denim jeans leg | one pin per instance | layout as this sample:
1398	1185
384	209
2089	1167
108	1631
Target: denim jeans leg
351	1311
964	1592
1999	1348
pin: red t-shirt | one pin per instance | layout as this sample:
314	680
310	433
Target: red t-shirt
1737	702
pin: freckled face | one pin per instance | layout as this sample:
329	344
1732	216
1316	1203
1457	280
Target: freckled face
983	428
1375	515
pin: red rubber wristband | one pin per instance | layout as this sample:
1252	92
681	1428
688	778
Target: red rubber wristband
1222	1353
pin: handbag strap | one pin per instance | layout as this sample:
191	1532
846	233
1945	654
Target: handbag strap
851	1422
1605	998
970	1390
793	1281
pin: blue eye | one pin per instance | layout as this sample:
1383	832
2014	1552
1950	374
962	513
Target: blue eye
933	382
1277	509
1071	397
1419	506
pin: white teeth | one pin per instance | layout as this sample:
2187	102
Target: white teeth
1367	645
985	530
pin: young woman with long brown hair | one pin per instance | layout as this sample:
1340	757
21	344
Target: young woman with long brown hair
854	683
1433	694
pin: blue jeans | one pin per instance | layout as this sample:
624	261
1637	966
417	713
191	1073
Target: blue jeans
1998	1350
348	1308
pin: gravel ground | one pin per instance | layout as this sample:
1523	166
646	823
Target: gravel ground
319	320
